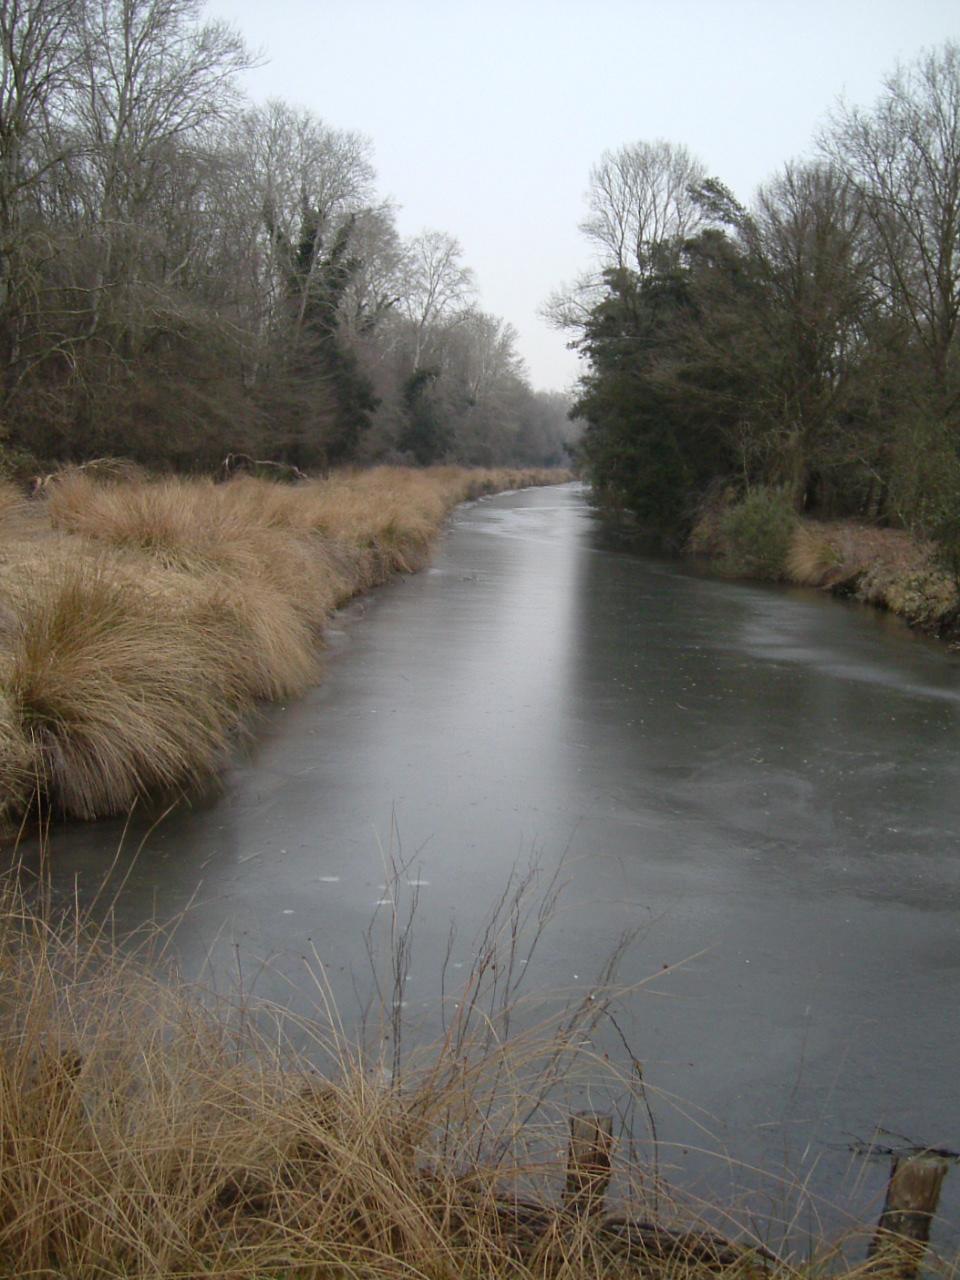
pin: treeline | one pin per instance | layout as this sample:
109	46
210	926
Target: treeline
806	344
184	273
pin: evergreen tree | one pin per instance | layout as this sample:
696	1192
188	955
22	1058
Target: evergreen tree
317	279
424	434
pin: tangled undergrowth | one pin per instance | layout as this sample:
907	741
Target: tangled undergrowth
140	619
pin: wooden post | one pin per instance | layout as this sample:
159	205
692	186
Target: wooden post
913	1193
588	1162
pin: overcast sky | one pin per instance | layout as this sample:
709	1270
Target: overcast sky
486	116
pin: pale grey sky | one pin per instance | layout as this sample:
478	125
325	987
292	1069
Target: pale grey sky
486	116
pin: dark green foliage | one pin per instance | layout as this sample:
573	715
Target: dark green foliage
925	485
757	532
805	350
762	354
647	446
322	366
720	205
424	434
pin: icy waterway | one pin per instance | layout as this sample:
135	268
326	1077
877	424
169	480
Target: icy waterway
763	782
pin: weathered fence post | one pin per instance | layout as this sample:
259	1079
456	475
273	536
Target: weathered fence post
588	1162
913	1193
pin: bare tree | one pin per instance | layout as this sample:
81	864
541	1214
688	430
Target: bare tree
154	82
297	161
570	306
642	206
489	360
39	50
294	179
810	240
904	157
436	285
375	290
183	274
639	200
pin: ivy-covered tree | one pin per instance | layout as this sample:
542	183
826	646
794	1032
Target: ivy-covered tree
424	434
318	358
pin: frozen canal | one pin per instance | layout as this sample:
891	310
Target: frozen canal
764	783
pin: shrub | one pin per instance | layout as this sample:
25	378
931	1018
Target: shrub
925	488
757	533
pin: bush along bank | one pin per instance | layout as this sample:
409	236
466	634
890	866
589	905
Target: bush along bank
761	536
140	619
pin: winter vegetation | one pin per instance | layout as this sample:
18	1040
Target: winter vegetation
141	619
184	274
761	536
799	355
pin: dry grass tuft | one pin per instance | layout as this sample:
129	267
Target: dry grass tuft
19	773
180	522
270	645
116	700
888	568
140	618
811	557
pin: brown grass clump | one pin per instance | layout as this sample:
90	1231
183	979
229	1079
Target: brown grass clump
270	645
180	522
811	557
115	699
926	597
140	618
18	765
888	568
12	503
391	515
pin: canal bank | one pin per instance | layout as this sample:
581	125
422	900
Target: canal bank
890	569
